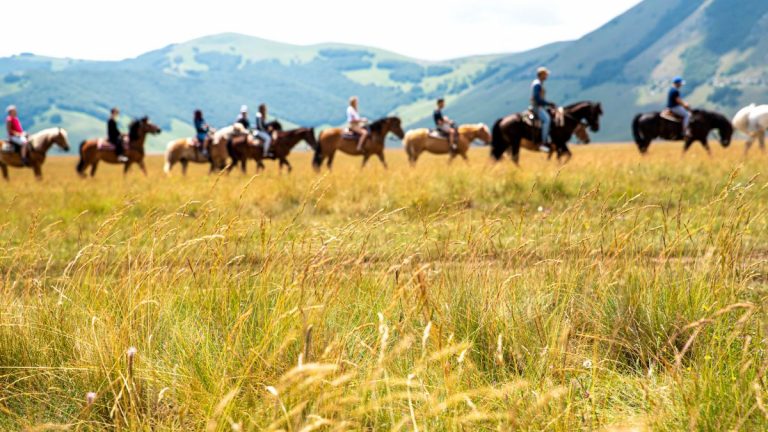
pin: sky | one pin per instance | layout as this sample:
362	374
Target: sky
425	29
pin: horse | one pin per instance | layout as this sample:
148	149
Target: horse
420	140
752	121
95	150
649	126
281	147
186	150
513	132
334	139
39	144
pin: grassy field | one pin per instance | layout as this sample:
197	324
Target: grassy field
614	293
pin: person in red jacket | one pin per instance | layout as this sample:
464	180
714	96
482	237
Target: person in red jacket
16	134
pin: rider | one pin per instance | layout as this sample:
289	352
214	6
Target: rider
16	135
114	136
357	123
243	118
677	105
261	130
445	124
540	103
201	132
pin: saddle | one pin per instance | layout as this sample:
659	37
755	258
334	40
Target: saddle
104	145
349	134
438	134
7	147
668	115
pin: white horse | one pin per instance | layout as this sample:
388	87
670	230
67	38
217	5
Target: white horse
752	121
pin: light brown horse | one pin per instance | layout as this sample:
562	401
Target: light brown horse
420	140
39	144
335	139
91	153
186	150
281	147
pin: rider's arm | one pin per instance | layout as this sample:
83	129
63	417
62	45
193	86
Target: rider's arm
540	101
683	103
9	128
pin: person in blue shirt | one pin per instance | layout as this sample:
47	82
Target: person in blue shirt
677	105
540	103
444	124
201	132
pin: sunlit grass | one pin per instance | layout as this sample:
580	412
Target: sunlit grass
616	292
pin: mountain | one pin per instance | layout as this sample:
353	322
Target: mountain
720	46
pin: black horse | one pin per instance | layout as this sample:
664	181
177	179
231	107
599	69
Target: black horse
649	126
514	131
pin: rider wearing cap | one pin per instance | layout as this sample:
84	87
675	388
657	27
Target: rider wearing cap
262	131
444	124
16	135
540	103
243	118
677	105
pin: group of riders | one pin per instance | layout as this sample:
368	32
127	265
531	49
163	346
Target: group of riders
541	109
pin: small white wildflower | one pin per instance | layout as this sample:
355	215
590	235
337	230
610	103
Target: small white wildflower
90	398
587	364
132	351
541	209
272	391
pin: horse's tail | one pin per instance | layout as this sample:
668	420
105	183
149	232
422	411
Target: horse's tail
317	160
497	140
81	163
168	159
636	132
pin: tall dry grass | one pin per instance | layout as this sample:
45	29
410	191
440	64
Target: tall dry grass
615	293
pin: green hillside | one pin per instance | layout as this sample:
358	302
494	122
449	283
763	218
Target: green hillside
719	46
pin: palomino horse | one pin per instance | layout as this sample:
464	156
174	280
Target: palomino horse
420	140
513	132
281	148
752	121
96	150
186	150
647	127
338	139
39	144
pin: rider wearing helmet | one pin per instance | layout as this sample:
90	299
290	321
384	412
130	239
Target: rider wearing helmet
261	130
444	124
16	135
677	105
540	103
357	123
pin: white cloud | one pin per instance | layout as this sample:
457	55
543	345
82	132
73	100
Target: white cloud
426	29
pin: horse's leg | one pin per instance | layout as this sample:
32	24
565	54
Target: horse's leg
688	144
515	150
381	158
127	167
94	165
365	159
4	169
38	171
705	143
184	166
260	166
762	141
748	144
143	167
287	164
331	155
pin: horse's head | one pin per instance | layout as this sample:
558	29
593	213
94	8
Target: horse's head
395	126
141	127
726	133
593	118
483	133
310	138
274	126
61	139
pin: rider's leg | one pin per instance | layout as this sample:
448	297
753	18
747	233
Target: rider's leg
452	139
546	124
686	116
363	136
267	138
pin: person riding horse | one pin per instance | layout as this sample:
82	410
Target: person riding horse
242	118
356	123
114	136
445	125
263	130
16	135
540	104
201	133
677	105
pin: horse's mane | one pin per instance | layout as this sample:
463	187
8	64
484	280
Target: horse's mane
718	120
133	128
378	125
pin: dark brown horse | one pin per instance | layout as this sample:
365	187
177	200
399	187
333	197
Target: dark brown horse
513	132
281	147
39	144
647	127
95	150
335	139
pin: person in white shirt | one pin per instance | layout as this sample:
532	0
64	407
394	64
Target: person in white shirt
357	123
